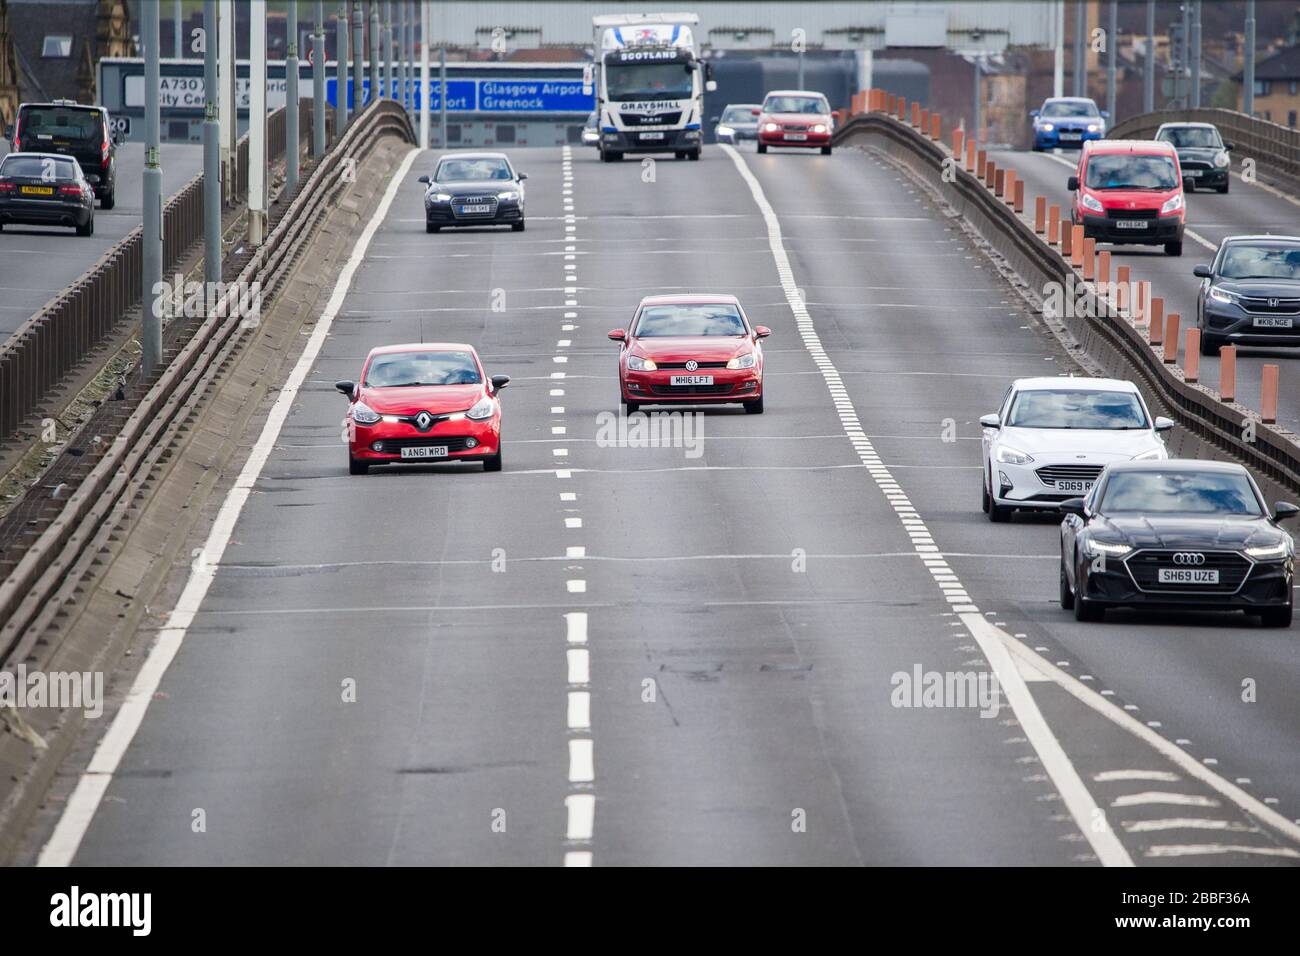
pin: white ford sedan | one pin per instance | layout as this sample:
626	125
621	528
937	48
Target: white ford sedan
1051	438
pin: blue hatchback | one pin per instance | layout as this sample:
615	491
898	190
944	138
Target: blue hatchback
1067	121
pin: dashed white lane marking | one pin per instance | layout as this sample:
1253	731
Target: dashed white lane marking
582	817
1186	823
1079	801
1218	849
81	806
1164	776
581	766
1162	798
579	710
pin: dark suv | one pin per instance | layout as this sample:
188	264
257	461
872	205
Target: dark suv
1250	294
71	129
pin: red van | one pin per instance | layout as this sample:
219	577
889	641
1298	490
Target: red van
1130	192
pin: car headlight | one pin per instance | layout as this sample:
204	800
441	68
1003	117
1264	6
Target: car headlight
1280	550
1221	160
363	414
1222	295
725	130
1010	456
442	197
1093	127
1110	549
771	128
638	364
1092	202
819	128
1047	127
482	409
1172	204
508	195
743	361
1155	454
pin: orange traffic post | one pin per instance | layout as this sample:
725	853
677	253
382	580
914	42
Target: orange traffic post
990	172
1143	301
1103	272
1192	355
999	181
916	113
936	128
958	142
1268	394
981	160
1040	214
1067	238
1089	259
924	123
1009	187
1228	373
1019	201
970	155
890	101
902	109
1171	338
1155	320
1076	246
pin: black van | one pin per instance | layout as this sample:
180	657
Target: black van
82	132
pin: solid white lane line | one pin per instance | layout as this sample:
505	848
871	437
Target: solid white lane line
1082	807
85	799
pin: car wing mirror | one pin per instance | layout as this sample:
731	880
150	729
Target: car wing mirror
1033	114
618	335
762	331
347	388
1072	183
499	382
522	177
423	179
9	131
1229	147
1164	424
991	421
1284	510
1073	506
1203	272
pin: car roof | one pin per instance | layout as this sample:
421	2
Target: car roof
473	154
63	156
63	104
690	297
794	93
1070	99
1146	147
1198	125
1078	382
422	347
1261	238
1180	464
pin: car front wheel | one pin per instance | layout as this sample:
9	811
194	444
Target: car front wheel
1174	248
1276	616
356	467
493	463
1067	596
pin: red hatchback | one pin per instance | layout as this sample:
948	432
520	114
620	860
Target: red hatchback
1130	191
798	118
691	350
423	403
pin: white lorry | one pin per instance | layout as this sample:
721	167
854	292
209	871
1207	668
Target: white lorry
650	84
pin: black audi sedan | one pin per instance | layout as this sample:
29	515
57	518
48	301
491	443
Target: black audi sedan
1177	534
1202	154
44	189
474	189
1250	294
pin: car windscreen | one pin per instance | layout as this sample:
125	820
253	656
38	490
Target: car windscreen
694	319
1067	408
472	170
1260	261
49	168
1061	110
656	81
739	114
1192	137
1129	171
1179	492
400	369
84	125
795	104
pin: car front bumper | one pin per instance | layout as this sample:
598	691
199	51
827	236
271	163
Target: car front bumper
1052	140
813	141
656	388
1157	232
441	214
1019	486
1233	325
1268	584
456	436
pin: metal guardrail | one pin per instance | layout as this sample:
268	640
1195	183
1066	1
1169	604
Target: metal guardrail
1274	148
50	569
1275	452
64	331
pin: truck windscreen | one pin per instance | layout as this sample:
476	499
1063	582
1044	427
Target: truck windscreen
638	81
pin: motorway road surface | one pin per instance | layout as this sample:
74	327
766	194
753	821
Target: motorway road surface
1246	209
765	591
38	262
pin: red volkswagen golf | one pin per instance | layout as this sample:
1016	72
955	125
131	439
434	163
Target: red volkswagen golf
691	350
422	403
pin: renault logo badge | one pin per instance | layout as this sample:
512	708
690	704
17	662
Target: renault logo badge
423	421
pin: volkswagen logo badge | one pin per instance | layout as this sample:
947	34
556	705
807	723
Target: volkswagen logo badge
692	365
423	421
1189	557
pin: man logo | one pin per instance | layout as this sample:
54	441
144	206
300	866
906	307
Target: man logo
692	365
423	421
1189	557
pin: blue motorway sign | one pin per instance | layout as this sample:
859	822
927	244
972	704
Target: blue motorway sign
493	96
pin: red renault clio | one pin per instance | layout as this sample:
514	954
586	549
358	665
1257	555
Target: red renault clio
1130	191
423	403
691	350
